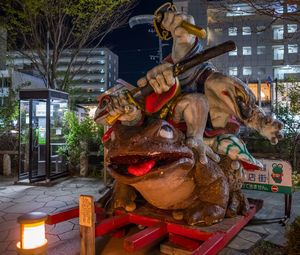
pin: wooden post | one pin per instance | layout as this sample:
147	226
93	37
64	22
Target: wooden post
87	225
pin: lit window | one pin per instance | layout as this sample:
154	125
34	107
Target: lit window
101	89
261	71
218	30
246	30
101	61
109	75
109	57
261	50
102	71
260	29
233	70
291	7
233	53
232	31
109	65
278	52
240	10
102	80
292	48
247	50
292	28
278	32
247	70
102	52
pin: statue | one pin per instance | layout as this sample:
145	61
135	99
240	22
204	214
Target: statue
178	147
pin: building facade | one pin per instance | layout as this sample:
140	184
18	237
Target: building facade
93	70
264	48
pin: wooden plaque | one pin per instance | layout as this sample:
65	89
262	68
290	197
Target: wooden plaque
86	211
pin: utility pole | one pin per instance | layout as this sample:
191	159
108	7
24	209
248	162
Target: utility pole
47	59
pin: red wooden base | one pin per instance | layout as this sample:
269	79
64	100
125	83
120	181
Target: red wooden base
201	240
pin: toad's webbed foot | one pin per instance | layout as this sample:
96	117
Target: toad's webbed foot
204	212
238	204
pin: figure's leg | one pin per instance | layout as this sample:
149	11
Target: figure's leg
211	204
121	196
193	110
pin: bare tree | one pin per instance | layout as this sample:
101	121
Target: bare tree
41	30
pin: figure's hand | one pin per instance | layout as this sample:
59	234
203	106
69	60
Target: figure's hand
160	78
202	149
272	129
182	40
120	105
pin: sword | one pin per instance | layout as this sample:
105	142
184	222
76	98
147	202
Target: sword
178	69
157	19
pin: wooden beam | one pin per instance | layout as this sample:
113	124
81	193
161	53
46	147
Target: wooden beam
111	223
145	237
63	215
184	242
87	225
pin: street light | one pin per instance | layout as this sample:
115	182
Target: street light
33	240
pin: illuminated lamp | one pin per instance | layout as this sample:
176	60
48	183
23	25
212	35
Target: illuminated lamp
33	240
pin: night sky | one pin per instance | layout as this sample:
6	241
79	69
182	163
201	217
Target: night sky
133	46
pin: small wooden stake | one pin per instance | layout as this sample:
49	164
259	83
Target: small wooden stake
87	225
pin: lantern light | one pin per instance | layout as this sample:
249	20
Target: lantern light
33	240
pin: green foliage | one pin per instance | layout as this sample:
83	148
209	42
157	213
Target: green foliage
78	135
63	25
9	111
293	238
267	248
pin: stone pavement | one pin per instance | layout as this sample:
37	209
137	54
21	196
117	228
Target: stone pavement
63	238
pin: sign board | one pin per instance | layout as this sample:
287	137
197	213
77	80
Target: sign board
276	176
86	211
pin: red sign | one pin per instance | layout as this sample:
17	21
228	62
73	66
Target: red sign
274	188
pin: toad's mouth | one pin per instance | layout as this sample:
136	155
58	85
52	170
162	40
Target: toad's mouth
139	165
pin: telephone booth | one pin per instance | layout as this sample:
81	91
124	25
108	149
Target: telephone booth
41	134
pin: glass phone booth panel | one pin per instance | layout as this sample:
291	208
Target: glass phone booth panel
58	108
41	134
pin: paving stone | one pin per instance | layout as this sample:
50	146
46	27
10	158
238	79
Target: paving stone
13	234
3	236
44	198
276	238
2	213
5	199
24	207
75	220
228	251
61	228
249	236
64	198
52	238
12	216
1	220
46	209
6	225
3	246
69	235
11	247
5	205
26	198
256	228
239	243
56	204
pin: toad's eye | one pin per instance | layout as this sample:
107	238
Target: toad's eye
166	132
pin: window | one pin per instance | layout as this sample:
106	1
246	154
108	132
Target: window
101	89
240	10
101	61
233	53
293	48
102	53
278	32
291	7
260	29
233	70
292	28
247	50
261	71
102	71
218	30
102	80
247	70
109	57
109	65
109	75
278	52
261	50
232	31
246	30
